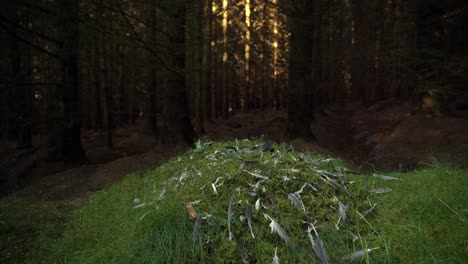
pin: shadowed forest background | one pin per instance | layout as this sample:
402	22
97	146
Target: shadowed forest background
100	80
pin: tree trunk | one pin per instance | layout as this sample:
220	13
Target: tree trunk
178	128
300	110
72	150
151	106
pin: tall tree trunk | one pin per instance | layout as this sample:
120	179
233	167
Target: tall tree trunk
197	64
207	21
72	150
151	100
178	128
300	110
102	78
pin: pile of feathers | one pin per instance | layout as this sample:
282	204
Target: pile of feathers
259	202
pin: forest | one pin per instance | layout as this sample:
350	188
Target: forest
93	92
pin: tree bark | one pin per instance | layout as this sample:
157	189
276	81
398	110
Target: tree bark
178	128
300	109
72	150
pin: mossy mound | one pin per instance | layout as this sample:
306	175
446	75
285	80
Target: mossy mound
197	208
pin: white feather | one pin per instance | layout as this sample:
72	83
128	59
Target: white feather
257	204
275	258
296	200
357	255
276	228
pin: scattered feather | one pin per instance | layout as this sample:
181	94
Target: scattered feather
317	245
161	195
140	205
275	258
380	190
285	178
248	215
213	186
302	188
196	171
196	230
265	147
230	215
276	228
144	215
136	201
384	177
320	250
370	210
357	255
241	248
342	209
257	204
257	175
296	200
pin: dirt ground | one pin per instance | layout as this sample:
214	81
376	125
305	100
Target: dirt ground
384	136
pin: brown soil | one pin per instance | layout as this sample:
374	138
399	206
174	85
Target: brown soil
384	136
388	136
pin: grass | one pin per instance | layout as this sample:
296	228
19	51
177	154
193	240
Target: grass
28	229
423	220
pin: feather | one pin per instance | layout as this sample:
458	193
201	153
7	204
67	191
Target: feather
384	177
230	215
214	189
195	202
302	188
140	205
370	210
257	204
285	178
320	250
296	200
275	258
265	147
317	245
257	175
357	255
276	228
342	209
248	215
241	247
380	190
196	230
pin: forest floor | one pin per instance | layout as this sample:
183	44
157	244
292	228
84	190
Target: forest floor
382	137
